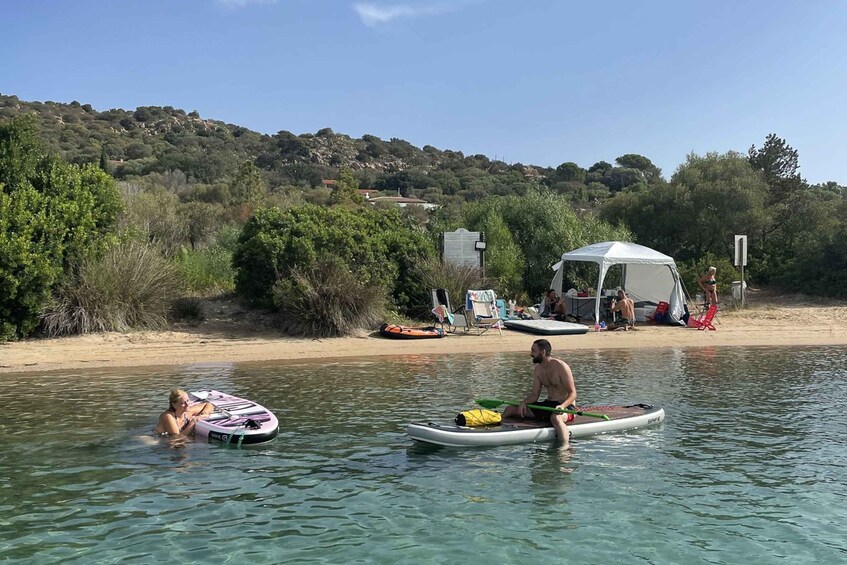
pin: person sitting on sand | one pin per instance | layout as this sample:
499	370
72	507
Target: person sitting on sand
554	375
549	305
560	310
181	417
626	307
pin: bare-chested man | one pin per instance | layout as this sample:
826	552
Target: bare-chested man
554	375
626	307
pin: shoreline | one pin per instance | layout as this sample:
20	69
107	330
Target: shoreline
789	325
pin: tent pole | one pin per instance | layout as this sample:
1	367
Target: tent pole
597	297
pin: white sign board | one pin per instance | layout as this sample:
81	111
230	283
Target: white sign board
740	250
460	248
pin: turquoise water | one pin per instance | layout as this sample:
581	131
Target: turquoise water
749	466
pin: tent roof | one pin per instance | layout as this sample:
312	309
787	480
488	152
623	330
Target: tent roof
614	252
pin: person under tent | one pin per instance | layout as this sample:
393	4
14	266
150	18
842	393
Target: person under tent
626	308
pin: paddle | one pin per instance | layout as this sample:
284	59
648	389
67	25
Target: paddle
493	403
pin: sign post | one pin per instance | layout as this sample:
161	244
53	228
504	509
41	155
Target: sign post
741	260
480	246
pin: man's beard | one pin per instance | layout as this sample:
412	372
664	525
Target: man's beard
538	359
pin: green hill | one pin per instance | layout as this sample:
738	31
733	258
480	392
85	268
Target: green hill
151	139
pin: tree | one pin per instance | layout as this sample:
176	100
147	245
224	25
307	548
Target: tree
708	200
346	189
104	160
779	164
651	172
248	186
600	167
569	172
202	220
526	234
619	178
52	216
291	147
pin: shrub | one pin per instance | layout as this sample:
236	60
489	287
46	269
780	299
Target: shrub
131	286
690	271
526	235
379	247
208	271
456	279
326	299
52	215
188	308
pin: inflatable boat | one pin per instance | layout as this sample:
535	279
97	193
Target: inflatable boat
235	420
509	432
393	331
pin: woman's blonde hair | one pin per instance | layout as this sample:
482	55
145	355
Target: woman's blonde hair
713	270
174	397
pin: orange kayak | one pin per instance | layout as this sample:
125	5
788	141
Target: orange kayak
394	331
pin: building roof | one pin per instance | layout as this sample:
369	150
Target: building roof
399	199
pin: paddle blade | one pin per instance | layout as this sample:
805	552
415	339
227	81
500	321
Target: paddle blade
489	403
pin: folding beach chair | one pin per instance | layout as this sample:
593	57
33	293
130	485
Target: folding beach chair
483	317
704	322
444	312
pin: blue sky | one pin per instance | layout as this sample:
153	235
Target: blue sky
540	82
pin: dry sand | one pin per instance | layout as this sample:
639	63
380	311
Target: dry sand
230	336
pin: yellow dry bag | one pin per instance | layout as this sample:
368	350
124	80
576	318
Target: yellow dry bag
478	417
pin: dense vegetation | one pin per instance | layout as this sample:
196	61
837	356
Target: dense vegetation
228	209
52	215
379	247
211	156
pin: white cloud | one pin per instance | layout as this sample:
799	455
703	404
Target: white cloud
373	14
235	4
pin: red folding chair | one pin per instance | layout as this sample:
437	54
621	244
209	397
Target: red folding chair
704	322
660	312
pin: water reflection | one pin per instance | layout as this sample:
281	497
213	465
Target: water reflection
751	452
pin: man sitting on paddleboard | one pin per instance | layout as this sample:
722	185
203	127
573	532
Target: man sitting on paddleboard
180	418
554	375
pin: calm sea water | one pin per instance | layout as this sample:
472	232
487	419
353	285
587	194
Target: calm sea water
749	467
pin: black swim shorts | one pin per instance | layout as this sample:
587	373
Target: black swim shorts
544	415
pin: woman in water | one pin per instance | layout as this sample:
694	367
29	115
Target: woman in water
709	285
181	417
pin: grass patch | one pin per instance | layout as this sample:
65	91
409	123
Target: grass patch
457	279
131	286
327	300
208	271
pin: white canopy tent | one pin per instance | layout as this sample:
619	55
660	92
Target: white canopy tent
648	276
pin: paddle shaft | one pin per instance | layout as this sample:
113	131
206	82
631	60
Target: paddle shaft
557	410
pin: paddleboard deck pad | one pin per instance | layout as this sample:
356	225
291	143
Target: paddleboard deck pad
235	420
510	432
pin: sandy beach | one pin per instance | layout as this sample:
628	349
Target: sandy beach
224	337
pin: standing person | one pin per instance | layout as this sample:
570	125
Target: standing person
626	307
554	375
709	284
181	416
